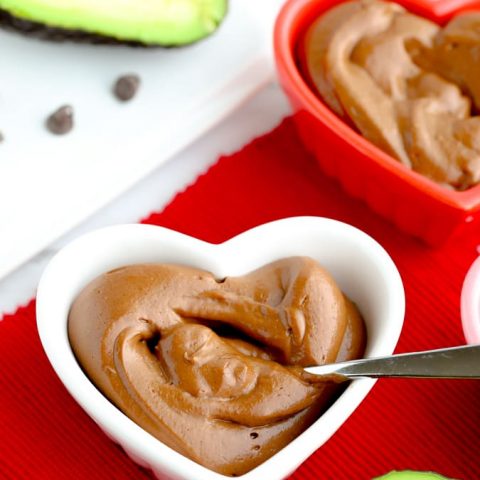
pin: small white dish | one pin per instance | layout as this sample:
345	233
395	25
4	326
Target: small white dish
360	266
470	304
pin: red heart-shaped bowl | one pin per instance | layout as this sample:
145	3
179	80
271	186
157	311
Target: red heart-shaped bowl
414	203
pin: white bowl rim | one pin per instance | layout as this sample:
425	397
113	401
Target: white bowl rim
470	303
143	447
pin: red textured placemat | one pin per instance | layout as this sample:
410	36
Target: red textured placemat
425	425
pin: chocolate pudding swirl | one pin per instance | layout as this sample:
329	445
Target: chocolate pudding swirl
211	367
404	83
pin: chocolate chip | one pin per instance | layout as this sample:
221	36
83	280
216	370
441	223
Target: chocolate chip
126	87
60	122
254	435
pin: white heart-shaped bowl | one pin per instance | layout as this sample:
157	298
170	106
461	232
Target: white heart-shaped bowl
361	267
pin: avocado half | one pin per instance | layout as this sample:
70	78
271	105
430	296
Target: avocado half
411	475
147	22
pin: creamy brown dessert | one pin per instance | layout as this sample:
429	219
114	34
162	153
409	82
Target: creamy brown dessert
211	367
405	83
456	54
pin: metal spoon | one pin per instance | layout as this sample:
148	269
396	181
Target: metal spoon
456	362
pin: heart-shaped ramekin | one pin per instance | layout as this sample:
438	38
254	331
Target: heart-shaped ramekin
360	265
413	202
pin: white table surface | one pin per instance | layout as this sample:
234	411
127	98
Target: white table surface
259	115
184	93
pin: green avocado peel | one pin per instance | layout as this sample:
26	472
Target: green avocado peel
411	475
150	22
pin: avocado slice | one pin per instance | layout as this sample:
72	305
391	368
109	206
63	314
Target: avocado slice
148	22
411	475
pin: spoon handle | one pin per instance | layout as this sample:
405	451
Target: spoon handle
456	362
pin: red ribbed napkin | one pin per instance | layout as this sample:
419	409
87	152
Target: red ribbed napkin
403	424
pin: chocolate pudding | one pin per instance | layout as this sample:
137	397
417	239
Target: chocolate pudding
213	367
405	83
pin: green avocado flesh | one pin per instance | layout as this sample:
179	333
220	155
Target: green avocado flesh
152	22
410	475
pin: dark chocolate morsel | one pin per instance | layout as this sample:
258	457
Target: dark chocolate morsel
126	87
60	122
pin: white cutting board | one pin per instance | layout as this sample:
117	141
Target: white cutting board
48	184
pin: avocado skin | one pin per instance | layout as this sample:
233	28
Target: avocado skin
411	475
43	32
60	35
